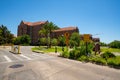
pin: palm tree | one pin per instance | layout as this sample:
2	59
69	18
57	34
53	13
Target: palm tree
44	32
47	30
51	27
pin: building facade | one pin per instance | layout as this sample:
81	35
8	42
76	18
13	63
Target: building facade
61	32
32	29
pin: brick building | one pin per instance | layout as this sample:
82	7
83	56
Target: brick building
62	31
32	29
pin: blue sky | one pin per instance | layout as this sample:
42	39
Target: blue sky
90	16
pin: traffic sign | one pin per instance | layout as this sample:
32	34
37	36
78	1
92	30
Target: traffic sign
67	38
86	37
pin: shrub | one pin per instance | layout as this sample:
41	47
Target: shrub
83	50
74	54
83	58
54	42
65	54
75	39
100	61
43	41
114	62
107	55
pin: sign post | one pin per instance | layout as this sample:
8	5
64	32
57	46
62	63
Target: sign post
67	38
86	38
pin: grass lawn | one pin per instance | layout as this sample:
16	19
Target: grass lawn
47	50
103	49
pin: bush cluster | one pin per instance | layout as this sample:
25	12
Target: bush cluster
107	55
76	53
107	58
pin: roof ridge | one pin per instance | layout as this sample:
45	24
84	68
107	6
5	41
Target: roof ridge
65	28
34	23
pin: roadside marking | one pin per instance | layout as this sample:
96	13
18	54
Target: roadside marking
35	54
8	59
25	57
17	57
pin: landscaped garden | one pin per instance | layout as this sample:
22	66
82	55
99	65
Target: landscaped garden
106	57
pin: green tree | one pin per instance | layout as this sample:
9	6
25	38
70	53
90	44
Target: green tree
75	39
103	44
5	35
44	32
51	27
24	40
17	41
115	44
47	31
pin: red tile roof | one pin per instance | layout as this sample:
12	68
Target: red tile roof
34	23
65	29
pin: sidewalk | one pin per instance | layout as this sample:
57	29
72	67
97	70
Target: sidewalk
54	54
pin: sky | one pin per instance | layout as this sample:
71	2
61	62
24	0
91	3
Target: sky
101	18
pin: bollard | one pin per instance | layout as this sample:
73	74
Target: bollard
55	49
18	49
12	48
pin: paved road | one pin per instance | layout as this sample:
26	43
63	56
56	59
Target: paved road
36	66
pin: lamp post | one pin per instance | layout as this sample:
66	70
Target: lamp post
62	44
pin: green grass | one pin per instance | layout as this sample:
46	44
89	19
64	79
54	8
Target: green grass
47	50
104	49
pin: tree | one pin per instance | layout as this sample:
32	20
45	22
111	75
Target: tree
103	44
47	31
44	32
114	44
75	39
5	35
17	41
51	27
24	40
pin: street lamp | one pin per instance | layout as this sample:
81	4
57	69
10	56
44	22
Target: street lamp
62	43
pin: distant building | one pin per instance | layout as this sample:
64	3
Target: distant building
32	29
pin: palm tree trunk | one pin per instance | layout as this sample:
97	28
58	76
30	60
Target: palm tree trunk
50	41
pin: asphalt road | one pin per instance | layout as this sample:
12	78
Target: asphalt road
36	66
